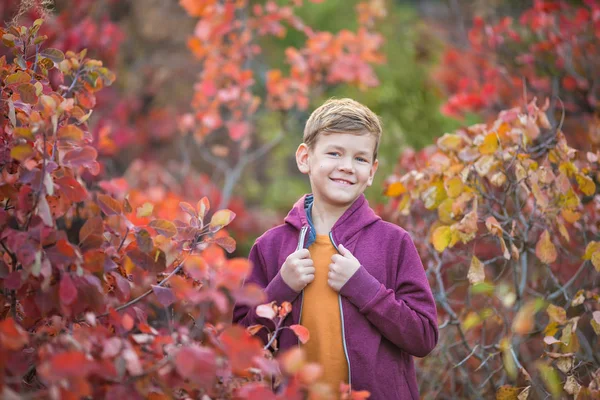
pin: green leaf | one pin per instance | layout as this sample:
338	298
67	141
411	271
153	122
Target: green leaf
53	54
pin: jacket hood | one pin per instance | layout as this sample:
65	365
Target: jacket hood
356	217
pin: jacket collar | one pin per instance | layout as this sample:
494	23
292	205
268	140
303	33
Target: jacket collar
356	217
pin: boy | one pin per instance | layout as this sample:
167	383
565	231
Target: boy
356	282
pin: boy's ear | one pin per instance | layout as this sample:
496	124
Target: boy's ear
372	172
302	158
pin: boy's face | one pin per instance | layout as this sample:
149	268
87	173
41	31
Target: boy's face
340	167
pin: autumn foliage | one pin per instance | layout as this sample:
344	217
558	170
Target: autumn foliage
550	51
505	216
113	287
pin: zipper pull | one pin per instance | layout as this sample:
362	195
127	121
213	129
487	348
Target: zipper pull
301	238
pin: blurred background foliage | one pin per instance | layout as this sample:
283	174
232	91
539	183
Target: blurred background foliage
156	73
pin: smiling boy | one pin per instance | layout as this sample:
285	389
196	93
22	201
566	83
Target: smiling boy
356	282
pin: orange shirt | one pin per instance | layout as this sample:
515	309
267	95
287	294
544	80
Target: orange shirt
321	316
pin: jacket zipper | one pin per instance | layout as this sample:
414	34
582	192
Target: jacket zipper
298	247
342	317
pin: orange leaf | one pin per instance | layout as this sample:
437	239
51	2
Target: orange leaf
544	249
301	332
395	189
70	132
109	205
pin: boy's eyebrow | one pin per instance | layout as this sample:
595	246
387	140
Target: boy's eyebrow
336	147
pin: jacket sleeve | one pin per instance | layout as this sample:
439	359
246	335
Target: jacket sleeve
275	290
406	316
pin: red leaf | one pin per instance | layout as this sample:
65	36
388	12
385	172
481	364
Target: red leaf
12	336
66	365
71	188
155	261
67	290
226	242
128	322
109	205
301	332
237	130
198	364
164	295
84	157
188	208
241	348
250	295
93	226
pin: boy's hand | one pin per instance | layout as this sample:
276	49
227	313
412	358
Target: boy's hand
342	267
298	270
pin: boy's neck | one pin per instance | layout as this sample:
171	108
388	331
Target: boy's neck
324	216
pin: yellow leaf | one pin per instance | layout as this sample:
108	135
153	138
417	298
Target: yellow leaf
596	260
441	238
476	271
395	189
586	184
490	144
434	195
507	358
24	133
450	142
551	379
557	314
507	392
591	248
471	321
221	219
454	187
544	249
563	231
21	152
445	211
568	168
145	210
404	204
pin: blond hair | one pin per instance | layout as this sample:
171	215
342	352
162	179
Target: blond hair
342	116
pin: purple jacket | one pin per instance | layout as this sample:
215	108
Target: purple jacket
387	308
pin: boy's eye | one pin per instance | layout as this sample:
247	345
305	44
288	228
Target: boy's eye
362	159
333	153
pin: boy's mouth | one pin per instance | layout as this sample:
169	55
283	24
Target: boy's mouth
342	181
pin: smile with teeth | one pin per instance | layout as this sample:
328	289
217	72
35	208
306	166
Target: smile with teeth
342	181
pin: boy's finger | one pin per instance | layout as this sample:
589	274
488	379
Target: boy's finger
309	270
344	251
305	262
303	253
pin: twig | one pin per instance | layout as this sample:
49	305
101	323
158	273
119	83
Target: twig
137	299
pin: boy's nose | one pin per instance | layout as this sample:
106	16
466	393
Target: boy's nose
346	165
